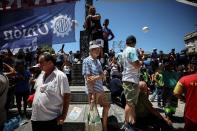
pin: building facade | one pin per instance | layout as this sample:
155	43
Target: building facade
191	46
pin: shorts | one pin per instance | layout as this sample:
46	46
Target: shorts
131	91
101	99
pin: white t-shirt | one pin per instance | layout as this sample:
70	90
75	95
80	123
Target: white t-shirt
49	95
130	73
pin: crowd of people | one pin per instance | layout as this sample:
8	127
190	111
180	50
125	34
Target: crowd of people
131	80
130	77
21	77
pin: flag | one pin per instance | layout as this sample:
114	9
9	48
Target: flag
17	4
52	24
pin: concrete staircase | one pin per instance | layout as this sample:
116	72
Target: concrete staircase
76	75
77	116
78	109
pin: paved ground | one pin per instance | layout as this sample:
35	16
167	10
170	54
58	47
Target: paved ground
178	123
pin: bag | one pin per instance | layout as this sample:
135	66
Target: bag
30	99
93	119
12	123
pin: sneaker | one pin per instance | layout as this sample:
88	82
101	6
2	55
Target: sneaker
127	127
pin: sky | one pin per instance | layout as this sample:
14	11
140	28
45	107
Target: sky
168	20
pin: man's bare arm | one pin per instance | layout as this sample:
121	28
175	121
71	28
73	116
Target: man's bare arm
66	101
10	72
137	64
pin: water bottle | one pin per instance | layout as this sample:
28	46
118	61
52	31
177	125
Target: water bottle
15	122
12	123
18	118
7	126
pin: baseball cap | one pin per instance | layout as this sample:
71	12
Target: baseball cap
36	66
93	44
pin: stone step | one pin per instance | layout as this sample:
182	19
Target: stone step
78	124
76	73
78	94
76	84
76	69
77	116
78	80
77	77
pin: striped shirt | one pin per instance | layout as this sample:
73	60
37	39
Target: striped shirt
92	67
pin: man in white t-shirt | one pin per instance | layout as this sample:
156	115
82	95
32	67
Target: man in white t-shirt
131	66
52	96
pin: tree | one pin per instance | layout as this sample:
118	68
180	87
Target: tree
47	48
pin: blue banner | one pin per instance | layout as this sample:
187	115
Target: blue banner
54	24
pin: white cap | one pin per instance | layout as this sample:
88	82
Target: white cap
36	66
93	44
